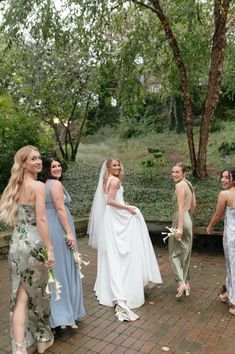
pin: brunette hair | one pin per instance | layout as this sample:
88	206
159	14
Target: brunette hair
181	165
47	167
232	174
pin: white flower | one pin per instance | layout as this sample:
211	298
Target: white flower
172	232
78	259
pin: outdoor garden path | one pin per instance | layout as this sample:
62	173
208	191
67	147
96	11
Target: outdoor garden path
196	324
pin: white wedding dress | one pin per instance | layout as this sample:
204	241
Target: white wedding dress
126	259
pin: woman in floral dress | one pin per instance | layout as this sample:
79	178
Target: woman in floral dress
23	205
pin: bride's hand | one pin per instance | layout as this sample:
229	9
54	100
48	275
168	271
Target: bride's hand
132	209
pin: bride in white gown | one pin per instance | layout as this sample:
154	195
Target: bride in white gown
126	259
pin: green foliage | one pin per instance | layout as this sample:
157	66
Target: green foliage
150	189
149	161
130	132
16	130
216	126
226	149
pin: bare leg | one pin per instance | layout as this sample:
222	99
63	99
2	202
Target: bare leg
19	319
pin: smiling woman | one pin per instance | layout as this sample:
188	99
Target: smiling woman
226	207
69	307
184	206
126	259
23	206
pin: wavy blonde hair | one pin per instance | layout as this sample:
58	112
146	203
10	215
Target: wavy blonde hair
10	196
108	163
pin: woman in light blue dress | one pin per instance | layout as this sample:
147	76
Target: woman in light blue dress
226	207
69	308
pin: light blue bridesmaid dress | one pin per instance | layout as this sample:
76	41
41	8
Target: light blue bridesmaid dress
69	307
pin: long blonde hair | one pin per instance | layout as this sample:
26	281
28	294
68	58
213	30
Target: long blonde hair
108	163
10	196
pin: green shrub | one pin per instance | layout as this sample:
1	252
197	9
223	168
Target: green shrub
226	149
216	126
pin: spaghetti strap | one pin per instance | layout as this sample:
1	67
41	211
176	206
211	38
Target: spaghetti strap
190	185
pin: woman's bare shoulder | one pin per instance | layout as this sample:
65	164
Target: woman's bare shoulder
39	186
114	181
223	194
180	185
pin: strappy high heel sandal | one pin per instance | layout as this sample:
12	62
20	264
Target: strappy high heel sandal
20	348
43	346
224	297
181	289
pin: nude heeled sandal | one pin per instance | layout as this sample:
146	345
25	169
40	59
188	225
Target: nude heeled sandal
181	289
43	346
20	348
224	297
187	290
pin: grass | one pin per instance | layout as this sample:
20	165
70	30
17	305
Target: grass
149	188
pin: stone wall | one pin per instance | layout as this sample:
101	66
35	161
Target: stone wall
5	236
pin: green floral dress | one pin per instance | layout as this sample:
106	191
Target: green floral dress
27	267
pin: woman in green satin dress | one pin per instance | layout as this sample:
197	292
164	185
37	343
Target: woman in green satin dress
180	246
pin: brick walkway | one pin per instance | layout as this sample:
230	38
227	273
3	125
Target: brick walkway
197	324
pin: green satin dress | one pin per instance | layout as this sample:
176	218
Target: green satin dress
180	251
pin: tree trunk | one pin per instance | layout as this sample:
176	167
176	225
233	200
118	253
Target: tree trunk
172	120
81	129
179	115
55	128
217	59
214	82
188	112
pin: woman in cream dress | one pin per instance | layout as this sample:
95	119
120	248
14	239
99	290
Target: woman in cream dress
126	259
226	207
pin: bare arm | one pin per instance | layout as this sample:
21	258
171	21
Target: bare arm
193	204
219	212
113	188
40	209
57	194
180	195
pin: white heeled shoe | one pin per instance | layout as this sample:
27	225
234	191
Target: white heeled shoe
43	346
74	326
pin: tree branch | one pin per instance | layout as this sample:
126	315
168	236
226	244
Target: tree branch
141	3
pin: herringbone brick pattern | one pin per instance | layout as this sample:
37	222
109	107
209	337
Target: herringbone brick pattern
196	324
